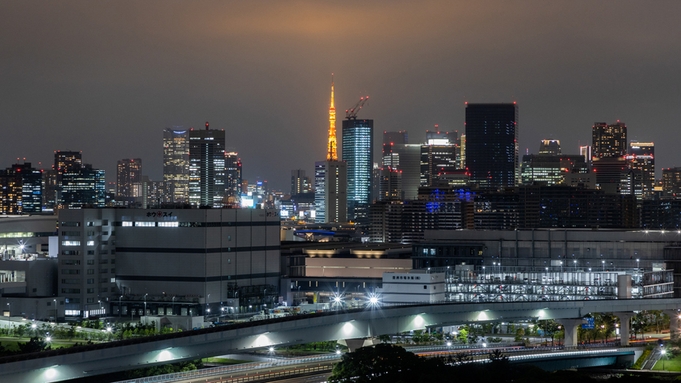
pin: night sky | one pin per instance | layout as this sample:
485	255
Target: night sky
107	77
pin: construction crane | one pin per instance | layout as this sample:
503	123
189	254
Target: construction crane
351	114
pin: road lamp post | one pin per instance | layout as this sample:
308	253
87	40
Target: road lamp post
120	307
173	302
664	356
145	304
56	313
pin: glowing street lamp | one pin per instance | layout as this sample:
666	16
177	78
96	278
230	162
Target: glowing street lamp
373	300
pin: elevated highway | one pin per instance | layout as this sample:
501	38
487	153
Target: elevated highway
60	365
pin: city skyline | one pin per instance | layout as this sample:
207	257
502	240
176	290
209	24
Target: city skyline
106	79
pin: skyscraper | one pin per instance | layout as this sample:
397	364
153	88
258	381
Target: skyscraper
300	183
641	159
438	156
21	189
391	141
83	187
331	192
233	175
206	167
492	144
358	143
609	140
331	178
64	162
550	147
609	148
176	165
129	179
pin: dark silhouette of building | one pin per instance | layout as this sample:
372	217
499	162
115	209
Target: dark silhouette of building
492	144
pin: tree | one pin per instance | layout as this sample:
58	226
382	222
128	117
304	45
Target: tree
35	344
519	334
462	336
550	327
385	338
383	363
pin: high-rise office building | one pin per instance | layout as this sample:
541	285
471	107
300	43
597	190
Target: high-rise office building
129	179
492	144
84	187
550	147
390	184
641	159
388	177
609	140
609	148
585	150
331	178
392	141
300	183
358	141
331	191
64	162
438	156
233	175
206	167
21	189
176	165
671	182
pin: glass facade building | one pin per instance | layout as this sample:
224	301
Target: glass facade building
492	144
176	165
357	152
206	167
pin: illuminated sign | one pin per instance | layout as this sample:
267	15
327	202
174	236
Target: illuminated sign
160	214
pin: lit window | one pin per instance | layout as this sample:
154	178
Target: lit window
90	243
70	243
127	223
145	224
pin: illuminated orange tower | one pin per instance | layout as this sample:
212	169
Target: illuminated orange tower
332	152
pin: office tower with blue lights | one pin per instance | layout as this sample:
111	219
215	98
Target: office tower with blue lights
206	167
176	165
83	187
492	144
357	153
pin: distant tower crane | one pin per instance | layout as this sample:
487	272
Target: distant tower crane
351	114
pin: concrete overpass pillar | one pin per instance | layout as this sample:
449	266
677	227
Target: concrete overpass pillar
570	326
625	327
673	323
354	344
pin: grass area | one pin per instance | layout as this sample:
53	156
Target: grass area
672	364
224	361
12	343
